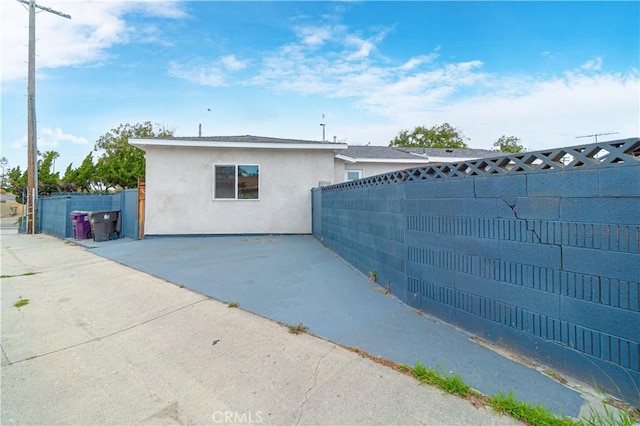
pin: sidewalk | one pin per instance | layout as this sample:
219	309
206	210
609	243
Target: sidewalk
100	343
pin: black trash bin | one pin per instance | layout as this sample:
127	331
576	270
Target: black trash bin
105	225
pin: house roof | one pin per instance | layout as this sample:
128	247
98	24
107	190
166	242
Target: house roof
245	141
246	138
452	152
378	154
367	151
348	153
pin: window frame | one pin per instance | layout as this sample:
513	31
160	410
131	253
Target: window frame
235	185
347	171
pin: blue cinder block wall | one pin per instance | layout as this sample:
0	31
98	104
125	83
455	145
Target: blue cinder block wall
53	211
538	252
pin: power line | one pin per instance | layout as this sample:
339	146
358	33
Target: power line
32	150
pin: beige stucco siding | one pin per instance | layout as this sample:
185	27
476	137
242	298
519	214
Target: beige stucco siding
179	198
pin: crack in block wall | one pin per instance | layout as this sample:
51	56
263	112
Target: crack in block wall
539	252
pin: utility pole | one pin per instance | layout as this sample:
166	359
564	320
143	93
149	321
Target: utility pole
32	150
595	135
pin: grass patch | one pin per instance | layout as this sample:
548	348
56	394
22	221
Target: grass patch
298	328
535	415
18	275
233	304
21	302
609	416
451	384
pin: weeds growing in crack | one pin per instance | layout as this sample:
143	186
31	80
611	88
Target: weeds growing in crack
21	302
535	415
298	328
452	384
531	414
26	274
610	416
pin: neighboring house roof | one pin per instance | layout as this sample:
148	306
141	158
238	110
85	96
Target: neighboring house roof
386	154
246	141
452	152
376	152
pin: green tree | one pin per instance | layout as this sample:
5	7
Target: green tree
121	164
4	169
48	181
67	183
18	183
509	144
442	136
81	179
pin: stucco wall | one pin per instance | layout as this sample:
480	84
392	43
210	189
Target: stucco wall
368	169
535	254
179	198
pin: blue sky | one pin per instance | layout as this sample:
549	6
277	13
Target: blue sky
543	71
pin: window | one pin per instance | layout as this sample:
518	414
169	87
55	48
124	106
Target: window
236	182
353	174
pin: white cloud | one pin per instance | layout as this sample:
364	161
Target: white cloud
19	143
204	75
150	34
592	65
547	113
544	111
207	74
416	61
49	138
232	63
362	47
163	9
94	27
315	36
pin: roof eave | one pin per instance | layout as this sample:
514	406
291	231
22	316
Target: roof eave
346	158
383	160
142	143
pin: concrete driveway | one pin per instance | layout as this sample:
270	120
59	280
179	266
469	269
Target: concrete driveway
294	279
101	343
